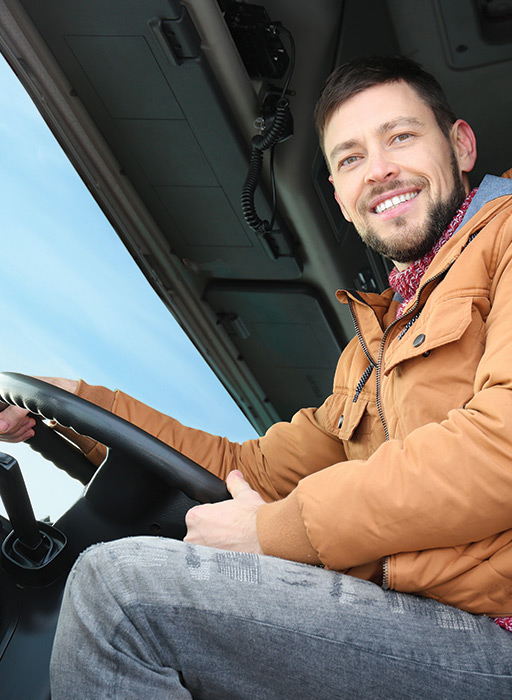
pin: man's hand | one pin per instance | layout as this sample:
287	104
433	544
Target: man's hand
16	425
229	524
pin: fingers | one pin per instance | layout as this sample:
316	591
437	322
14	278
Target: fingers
16	425
12	417
23	433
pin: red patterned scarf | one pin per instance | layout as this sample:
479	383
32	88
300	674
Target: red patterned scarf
406	282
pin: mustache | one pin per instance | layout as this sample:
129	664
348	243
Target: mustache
379	190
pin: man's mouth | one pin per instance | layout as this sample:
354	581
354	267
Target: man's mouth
394	201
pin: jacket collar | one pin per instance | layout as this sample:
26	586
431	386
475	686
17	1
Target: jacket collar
490	189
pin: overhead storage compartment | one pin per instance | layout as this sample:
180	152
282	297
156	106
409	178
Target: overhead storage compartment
286	334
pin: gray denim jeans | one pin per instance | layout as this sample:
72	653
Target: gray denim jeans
150	618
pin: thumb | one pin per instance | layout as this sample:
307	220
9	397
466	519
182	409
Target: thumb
236	483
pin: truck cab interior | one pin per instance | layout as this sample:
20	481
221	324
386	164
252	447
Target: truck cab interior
191	123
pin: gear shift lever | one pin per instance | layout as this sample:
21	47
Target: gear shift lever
17	504
31	549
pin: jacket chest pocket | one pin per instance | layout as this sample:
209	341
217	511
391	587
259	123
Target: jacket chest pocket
437	363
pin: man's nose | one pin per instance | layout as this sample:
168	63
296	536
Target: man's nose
380	167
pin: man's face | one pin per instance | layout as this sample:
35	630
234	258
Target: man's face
397	176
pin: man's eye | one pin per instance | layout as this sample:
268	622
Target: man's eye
347	161
403	137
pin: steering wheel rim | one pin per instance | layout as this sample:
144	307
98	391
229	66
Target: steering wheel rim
52	403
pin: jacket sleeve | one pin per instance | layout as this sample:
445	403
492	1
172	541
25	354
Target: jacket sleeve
447	484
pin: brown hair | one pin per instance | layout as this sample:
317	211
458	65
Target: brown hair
362	73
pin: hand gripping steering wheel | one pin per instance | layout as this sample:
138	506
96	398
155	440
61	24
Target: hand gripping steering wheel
142	487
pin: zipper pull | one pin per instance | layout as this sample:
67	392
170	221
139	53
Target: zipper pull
362	382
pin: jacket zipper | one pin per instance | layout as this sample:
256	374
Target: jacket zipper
378	372
385	560
359	335
385	573
378	368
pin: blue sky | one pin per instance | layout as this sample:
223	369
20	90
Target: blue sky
74	304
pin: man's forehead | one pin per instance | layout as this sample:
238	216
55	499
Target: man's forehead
385	96
379	109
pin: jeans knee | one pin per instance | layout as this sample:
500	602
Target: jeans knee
116	570
87	566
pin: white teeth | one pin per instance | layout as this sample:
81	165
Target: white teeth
397	199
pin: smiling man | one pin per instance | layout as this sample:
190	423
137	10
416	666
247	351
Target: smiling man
399	175
397	489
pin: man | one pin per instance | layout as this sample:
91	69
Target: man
399	485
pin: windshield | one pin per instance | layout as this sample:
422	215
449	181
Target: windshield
75	304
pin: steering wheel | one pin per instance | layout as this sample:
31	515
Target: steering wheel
143	486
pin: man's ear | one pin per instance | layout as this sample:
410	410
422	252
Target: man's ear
464	144
338	200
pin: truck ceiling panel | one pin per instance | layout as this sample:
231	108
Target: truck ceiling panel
169	128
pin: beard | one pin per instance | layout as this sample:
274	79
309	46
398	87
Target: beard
412	243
